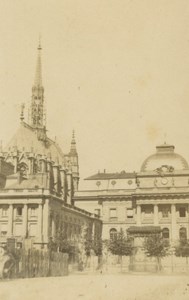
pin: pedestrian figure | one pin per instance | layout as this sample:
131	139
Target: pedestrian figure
6	263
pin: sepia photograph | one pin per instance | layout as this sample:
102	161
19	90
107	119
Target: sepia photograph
94	149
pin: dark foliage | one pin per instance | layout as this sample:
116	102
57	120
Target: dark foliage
182	249
121	245
156	246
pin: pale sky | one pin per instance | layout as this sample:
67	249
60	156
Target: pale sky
116	71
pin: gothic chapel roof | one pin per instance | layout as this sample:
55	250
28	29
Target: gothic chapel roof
32	137
27	139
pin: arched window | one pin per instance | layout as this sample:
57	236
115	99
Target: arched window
165	233
182	233
113	234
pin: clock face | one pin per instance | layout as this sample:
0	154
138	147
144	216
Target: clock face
164	181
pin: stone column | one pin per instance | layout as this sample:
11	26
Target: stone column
156	221
15	159
10	220
53	225
40	222
63	187
25	220
43	162
173	222
55	174
138	213
70	190
105	211
31	163
46	221
50	175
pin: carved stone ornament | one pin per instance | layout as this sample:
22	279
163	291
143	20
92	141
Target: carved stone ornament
164	169
113	182
164	181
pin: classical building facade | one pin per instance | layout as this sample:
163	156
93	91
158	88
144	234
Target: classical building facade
156	197
38	181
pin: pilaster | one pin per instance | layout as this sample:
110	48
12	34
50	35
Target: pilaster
46	221
25	220
156	214
173	222
138	214
40	221
10	220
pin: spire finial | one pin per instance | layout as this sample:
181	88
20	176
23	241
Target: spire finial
38	73
73	135
39	45
73	143
22	112
37	105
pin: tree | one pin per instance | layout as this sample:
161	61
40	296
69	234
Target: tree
92	245
84	246
183	249
155	246
60	243
121	245
88	242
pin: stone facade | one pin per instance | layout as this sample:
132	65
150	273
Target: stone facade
38	182
157	195
36	215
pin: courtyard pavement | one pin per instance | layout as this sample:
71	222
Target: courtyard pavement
97	287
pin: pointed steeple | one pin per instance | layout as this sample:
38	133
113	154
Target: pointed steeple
73	149
38	73
37	114
74	164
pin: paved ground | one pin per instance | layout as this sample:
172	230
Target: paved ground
97	287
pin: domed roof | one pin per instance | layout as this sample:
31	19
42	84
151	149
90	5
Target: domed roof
164	156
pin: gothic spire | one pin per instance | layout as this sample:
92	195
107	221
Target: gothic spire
38	73
73	149
37	118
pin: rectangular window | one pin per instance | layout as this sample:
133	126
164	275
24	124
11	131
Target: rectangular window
113	213
97	211
182	212
32	230
33	212
148	211
3	229
130	213
4	211
3	233
19	211
165	212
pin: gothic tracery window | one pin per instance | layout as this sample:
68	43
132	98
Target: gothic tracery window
22	168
